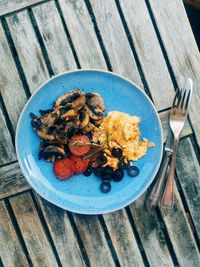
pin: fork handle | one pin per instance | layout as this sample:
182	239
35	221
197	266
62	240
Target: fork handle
167	200
156	190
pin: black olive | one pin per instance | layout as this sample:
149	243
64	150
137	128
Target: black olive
122	165
106	178
133	171
101	159
97	171
118	175
107	171
105	187
117	152
87	172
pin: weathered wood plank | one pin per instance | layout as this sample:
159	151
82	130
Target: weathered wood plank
13	5
82	33
7	152
12	180
150	233
62	234
116	44
54	58
181	48
148	51
112	33
10	249
94	240
165	255
188	172
123	239
181	235
28	49
36	242
54	37
10	85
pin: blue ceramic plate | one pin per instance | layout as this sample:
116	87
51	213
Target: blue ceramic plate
81	194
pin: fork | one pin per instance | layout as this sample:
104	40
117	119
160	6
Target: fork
178	115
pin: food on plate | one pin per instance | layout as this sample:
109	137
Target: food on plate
63	168
79	145
77	138
120	132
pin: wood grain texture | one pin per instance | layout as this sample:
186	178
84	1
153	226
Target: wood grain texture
11	252
54	37
94	254
84	44
188	171
10	85
62	234
82	33
12	180
144	39
149	52
28	49
94	240
151	234
7	152
123	239
36	242
14	5
114	39
181	48
181	236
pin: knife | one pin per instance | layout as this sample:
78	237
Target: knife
157	188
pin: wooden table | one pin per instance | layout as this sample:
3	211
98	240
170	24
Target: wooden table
149	42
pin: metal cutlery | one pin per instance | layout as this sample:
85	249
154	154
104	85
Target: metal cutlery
157	188
181	100
178	116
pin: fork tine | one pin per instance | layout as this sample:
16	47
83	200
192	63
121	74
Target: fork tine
187	100
183	99
179	98
176	97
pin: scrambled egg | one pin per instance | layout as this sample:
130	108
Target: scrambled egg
120	130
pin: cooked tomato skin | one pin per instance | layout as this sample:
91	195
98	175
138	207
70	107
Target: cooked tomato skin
63	168
77	147
80	164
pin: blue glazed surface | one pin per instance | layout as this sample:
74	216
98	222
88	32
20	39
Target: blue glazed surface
81	194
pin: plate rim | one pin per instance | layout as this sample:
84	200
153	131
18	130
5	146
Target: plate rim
89	212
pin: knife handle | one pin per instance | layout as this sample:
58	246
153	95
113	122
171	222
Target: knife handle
167	200
156	190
